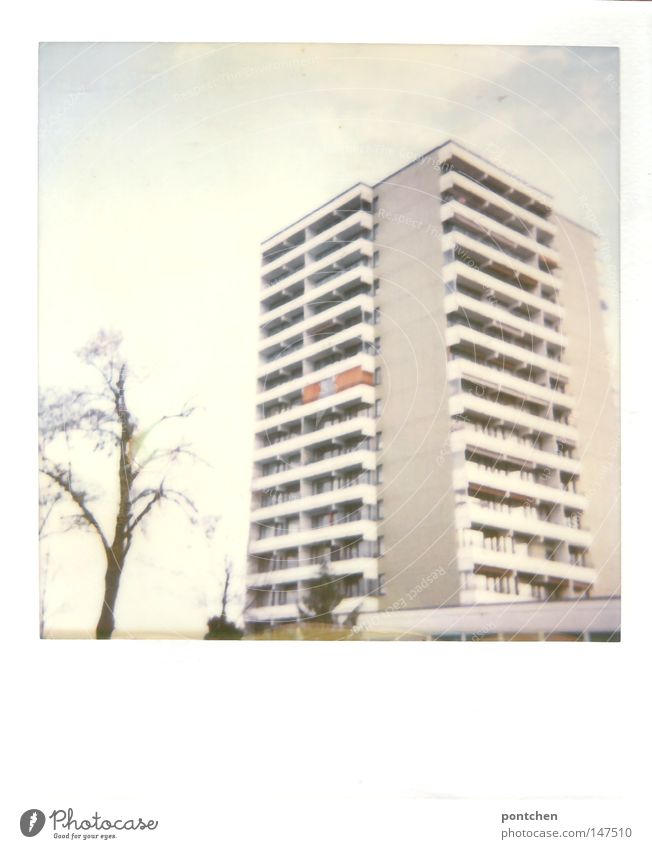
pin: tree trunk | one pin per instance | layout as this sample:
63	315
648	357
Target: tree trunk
115	556
106	622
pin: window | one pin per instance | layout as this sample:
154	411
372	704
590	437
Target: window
378	407
381	546
379	474
376	285
376	315
375	231
379	440
380	509
375	205
376	258
377	377
377	344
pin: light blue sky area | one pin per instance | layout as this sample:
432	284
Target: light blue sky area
163	166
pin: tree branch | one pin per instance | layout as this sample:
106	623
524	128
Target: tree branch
79	499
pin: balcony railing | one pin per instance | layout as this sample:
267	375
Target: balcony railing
271	500
333	484
490	242
352	551
365	444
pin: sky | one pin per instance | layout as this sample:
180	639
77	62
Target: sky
161	169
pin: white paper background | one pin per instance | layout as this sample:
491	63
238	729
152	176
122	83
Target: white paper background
250	729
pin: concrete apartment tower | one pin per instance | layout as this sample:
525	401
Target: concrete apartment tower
435	423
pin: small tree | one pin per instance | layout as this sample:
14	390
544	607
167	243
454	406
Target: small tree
104	417
321	597
220	627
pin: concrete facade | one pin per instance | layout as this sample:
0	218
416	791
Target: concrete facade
419	535
435	423
597	413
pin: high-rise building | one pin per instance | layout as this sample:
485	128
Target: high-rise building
435	423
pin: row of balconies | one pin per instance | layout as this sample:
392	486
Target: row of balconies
357	225
514	484
341	287
510	291
363	359
502	380
471	513
339	426
500	393
472	251
339	558
366	529
510	446
512	253
310	502
291	286
296	411
482	192
484	345
296	571
348	203
311	356
464	403
313	498
470	557
522	246
470	309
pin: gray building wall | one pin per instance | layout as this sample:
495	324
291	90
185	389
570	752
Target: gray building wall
419	565
596	415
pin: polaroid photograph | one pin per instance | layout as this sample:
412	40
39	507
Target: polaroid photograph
330	360
344	360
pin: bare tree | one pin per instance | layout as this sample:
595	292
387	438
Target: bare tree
221	627
104	418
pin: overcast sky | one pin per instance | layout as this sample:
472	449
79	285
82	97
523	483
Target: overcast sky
163	166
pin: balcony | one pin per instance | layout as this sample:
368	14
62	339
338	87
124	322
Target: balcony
357	250
471	556
521	245
337	286
458	157
496	201
366	529
365	362
500	379
357	425
349	226
514	519
490	286
360	331
362	393
347	203
365	490
484	256
500	318
510	447
461	402
510	484
483	345
366	566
